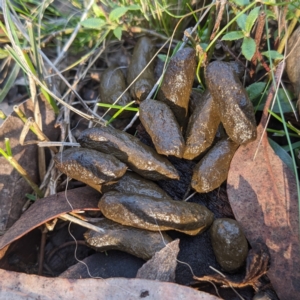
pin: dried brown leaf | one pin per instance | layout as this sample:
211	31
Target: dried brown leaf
263	196
12	186
22	286
49	208
162	265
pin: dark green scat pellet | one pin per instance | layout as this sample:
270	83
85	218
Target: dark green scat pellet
212	169
155	214
229	244
177	83
159	121
140	158
143	52
135	184
234	106
138	242
113	85
202	127
89	166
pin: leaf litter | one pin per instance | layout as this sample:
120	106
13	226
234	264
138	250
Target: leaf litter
262	192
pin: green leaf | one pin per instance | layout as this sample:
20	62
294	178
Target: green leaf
255	89
241	21
251	19
9	82
97	11
283	155
241	2
272	54
248	47
93	23
162	57
117	13
284	102
118	33
233	35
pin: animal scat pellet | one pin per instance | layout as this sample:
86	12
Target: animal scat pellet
177	83
135	184
138	242
160	123
235	108
89	166
202	127
139	157
112	86
143	52
212	169
155	214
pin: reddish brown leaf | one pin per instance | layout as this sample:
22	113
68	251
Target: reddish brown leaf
12	186
49	208
22	286
263	196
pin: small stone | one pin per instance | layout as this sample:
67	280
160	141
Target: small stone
229	244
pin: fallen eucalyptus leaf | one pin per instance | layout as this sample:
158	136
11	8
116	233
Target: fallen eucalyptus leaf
49	208
20	286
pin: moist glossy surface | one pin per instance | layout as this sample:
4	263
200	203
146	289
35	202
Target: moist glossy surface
89	166
202	127
140	158
112	85
229	244
138	242
177	83
213	168
143	52
135	184
235	108
155	214
160	123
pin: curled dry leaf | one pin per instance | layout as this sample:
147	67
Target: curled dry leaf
162	265
12	186
19	286
263	195
49	208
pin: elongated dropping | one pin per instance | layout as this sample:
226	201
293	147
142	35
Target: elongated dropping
160	123
89	166
112	86
135	184
155	214
212	169
140	158
177	83
235	108
138	242
202	127
143	52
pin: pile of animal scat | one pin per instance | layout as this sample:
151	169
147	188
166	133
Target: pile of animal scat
139	216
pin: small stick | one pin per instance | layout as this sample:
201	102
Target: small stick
42	250
258	35
81	223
